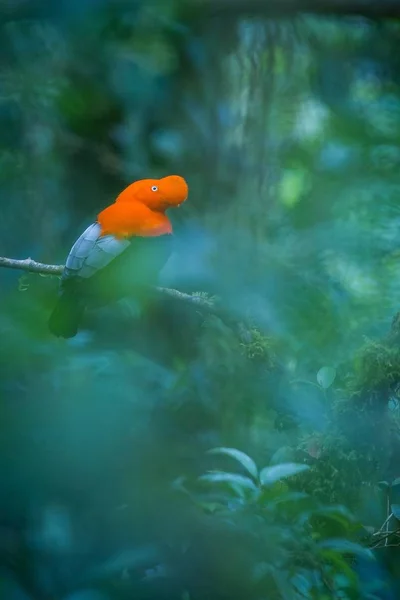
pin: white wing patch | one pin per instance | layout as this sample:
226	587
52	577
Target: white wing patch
90	253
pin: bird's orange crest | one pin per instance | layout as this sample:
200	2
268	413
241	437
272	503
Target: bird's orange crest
157	194
140	208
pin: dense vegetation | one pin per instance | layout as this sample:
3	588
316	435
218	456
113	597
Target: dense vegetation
171	452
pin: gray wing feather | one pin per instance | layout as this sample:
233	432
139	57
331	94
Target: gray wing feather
91	253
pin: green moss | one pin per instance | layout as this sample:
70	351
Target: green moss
376	365
260	347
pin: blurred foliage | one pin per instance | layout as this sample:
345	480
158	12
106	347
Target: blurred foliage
287	132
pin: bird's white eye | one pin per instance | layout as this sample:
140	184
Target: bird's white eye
154	188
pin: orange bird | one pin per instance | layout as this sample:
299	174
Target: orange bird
121	252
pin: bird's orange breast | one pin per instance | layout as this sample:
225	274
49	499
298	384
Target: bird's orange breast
127	219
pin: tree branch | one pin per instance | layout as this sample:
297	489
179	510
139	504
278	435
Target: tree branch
364	8
31	266
27	264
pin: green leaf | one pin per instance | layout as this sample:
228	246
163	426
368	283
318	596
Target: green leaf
270	475
345	547
283	454
302	583
230	478
241	457
369	529
340	570
210	507
383	485
288	504
282	582
293	185
340	513
326	376
295	497
395	508
331	521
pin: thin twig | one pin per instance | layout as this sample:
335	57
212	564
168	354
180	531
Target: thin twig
389	514
384	538
384	525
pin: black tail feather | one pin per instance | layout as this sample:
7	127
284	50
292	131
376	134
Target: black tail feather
65	319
